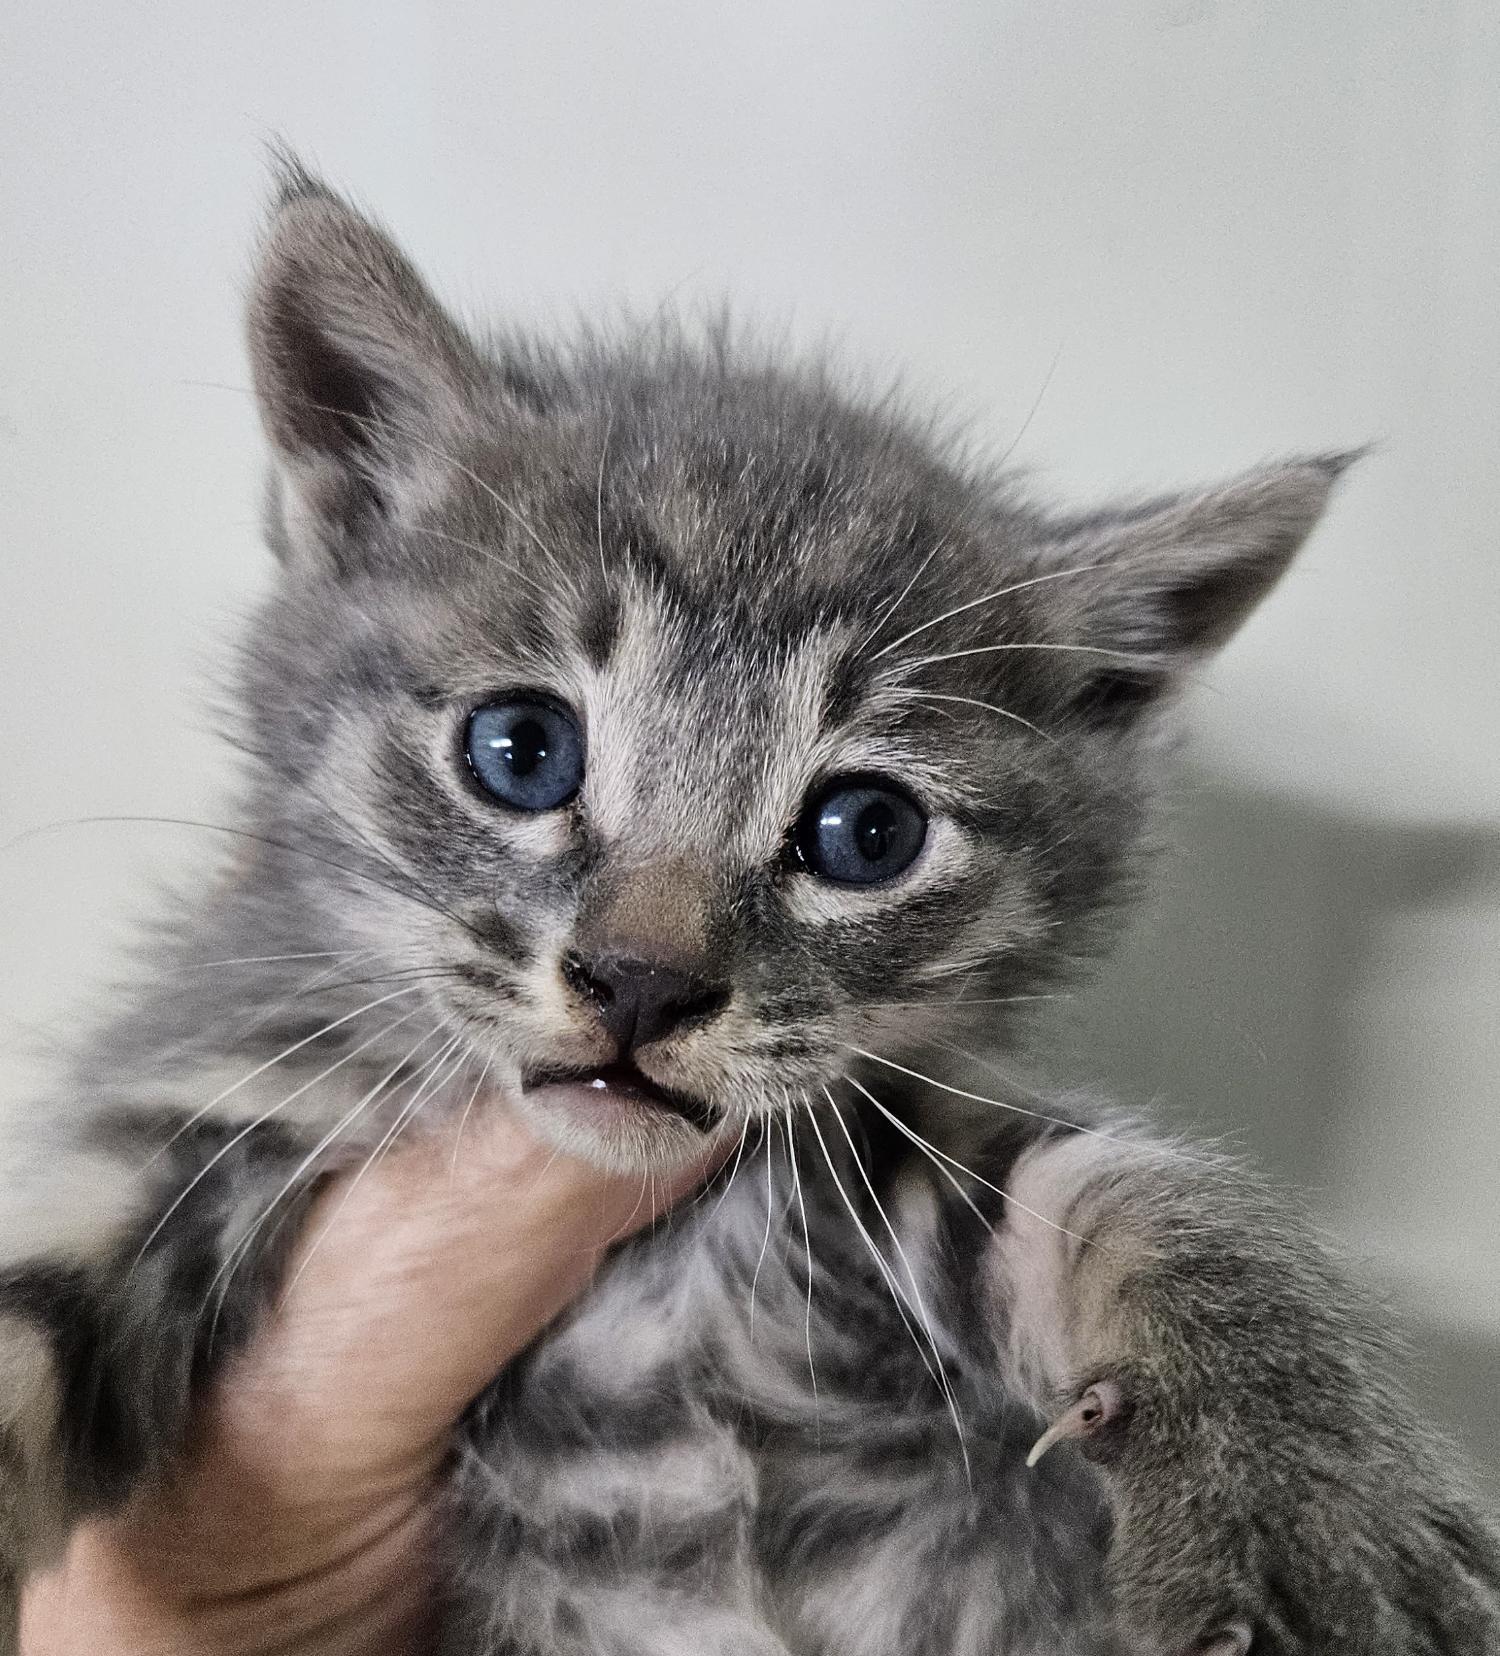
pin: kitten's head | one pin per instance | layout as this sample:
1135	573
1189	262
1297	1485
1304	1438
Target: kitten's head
678	728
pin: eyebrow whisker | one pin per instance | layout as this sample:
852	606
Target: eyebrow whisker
990	707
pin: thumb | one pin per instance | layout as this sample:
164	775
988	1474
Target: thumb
411	1287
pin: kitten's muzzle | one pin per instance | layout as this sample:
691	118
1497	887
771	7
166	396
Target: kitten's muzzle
624	1084
642	1000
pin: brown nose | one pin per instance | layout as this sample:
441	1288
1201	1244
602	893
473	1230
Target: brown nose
640	1001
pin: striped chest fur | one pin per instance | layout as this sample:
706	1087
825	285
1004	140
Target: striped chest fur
712	1456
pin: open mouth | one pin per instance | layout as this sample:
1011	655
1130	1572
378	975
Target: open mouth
621	1083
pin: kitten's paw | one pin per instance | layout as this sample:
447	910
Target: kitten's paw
1238	1534
1178	1566
1100	1408
1272	1488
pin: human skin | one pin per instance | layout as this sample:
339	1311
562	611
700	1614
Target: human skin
304	1514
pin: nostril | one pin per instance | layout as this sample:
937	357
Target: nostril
642	1000
698	1006
578	977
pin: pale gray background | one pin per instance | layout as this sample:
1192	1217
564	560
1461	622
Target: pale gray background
1235	229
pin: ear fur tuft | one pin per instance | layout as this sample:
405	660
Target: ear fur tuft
358	370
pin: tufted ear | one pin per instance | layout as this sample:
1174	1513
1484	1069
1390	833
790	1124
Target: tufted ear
1166	582
358	371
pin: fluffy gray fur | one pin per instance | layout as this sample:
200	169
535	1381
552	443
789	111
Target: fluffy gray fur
745	581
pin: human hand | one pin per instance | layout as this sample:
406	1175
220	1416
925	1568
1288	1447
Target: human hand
304	1516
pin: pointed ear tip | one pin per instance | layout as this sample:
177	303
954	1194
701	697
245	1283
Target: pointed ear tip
308	224
291	178
1317	471
1301	485
1333	463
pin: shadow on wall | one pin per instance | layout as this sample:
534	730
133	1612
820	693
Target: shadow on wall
1322	991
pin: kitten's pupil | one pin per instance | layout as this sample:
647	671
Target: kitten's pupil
525	748
875	831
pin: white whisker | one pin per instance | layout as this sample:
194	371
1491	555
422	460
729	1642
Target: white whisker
885	1218
267	960
1031	413
458	1137
478	548
486	552
988	598
404	431
427	1093
265	1116
270	1063
410	436
919	1308
812	1373
968	1172
990	707
766	1242
420	1088
729	1182
102	819
609	430
261	1013
932	1153
963	1000
629	1225
345	1121
1054	649
897	1293
980	1098
899	600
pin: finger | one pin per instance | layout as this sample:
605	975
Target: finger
414	1285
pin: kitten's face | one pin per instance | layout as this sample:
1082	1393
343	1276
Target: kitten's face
685	733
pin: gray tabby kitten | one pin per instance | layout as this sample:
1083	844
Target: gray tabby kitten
685	751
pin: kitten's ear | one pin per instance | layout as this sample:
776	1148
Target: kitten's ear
1167	582
358	370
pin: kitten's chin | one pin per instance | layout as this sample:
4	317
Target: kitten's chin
617	1118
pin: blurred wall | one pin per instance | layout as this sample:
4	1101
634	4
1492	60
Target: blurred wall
1148	240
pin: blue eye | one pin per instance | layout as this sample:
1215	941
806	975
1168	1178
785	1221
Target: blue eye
526	752
860	832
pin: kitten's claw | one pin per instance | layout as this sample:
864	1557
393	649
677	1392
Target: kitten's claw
1231	1640
1097	1408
